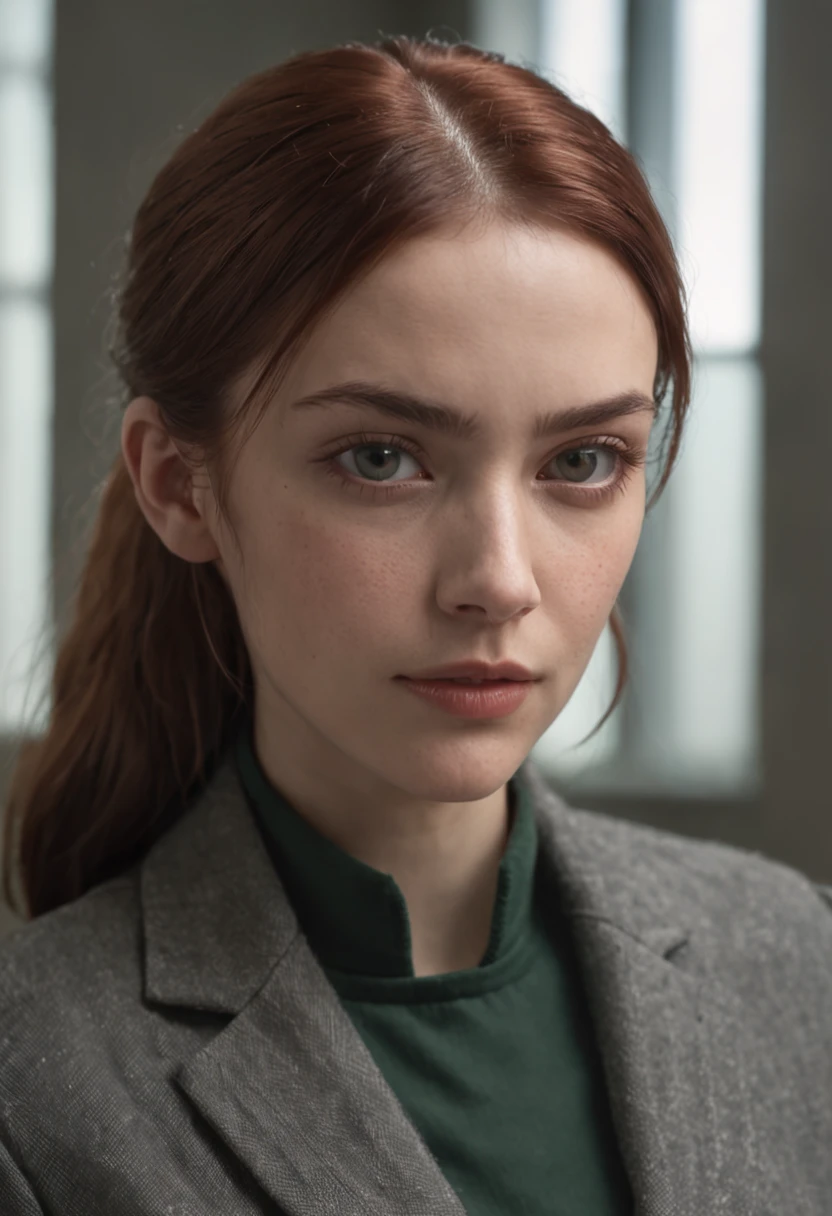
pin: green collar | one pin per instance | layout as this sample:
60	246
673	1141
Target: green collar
355	917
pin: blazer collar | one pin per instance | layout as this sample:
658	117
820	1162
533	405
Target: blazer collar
292	1088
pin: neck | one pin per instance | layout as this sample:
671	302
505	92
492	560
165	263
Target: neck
445	857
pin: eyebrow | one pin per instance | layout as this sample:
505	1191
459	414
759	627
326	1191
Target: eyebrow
458	425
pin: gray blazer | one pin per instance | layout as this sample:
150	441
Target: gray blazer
169	1043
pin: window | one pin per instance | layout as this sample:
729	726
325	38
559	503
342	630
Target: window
679	81
26	198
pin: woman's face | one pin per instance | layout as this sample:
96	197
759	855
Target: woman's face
493	545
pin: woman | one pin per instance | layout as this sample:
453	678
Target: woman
309	931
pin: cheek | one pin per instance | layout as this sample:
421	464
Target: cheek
583	589
315	587
617	549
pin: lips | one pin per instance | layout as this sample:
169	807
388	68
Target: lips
473	683
476	669
463	699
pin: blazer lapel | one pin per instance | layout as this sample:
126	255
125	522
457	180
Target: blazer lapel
290	1086
671	1041
289	1083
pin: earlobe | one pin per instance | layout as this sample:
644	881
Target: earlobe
177	518
193	544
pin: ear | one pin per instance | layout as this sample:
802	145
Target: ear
164	485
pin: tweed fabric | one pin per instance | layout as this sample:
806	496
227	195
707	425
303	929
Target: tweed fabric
170	1044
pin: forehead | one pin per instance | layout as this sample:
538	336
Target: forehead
490	313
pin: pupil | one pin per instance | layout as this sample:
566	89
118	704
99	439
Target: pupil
575	459
377	456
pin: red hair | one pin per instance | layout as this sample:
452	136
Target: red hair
299	182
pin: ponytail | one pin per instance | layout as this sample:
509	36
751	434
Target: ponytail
149	682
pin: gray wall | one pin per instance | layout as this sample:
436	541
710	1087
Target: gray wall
797	324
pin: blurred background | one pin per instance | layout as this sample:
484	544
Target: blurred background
724	731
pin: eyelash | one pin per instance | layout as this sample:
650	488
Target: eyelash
630	457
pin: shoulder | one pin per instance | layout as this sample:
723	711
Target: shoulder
709	870
749	927
86	1061
72	967
653	875
70	1004
736	899
78	1042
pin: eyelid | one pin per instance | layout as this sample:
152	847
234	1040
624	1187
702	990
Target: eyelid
346	442
631	456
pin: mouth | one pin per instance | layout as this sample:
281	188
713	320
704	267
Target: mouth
466	680
469	698
461	680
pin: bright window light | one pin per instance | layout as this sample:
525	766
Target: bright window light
25	32
25	181
557	748
718	108
582	50
26	257
713	593
25	459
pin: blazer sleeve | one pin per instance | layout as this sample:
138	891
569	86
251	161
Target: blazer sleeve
15	1192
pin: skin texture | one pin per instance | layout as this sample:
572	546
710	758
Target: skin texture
489	551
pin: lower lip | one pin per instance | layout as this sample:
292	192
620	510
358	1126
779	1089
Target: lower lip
495	699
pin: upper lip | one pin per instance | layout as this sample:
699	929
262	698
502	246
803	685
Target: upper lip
475	669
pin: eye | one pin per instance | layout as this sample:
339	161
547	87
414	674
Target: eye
373	460
372	464
578	464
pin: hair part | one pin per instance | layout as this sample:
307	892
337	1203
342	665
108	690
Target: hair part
301	180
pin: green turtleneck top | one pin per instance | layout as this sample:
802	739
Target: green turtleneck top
495	1065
